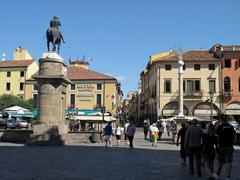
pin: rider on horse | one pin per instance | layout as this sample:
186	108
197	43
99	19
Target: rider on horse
54	35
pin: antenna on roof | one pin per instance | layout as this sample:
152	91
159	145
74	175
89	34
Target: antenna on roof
84	58
3	56
180	53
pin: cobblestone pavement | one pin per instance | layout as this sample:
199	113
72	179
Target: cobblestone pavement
94	161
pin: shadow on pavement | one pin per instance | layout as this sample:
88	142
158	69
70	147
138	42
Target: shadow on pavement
95	162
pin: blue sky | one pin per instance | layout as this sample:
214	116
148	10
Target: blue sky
119	35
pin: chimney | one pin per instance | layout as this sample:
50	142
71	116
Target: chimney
21	53
79	63
3	56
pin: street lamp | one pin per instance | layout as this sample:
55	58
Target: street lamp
211	103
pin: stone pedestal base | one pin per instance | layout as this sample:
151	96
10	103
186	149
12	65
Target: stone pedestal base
48	135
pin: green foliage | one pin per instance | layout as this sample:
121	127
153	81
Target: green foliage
230	118
8	100
34	122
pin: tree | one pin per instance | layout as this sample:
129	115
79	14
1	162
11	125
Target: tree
8	100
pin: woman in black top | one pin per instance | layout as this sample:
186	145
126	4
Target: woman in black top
209	149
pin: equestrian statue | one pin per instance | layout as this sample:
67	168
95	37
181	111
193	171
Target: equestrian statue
54	35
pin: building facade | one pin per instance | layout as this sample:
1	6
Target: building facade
201	85
230	78
14	73
88	90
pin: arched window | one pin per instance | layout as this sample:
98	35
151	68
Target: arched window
227	84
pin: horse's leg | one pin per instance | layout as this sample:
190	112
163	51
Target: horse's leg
54	47
48	45
54	44
59	44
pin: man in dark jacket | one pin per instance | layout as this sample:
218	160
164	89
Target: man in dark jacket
193	138
181	136
226	134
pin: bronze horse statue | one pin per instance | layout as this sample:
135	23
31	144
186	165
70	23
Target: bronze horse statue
54	35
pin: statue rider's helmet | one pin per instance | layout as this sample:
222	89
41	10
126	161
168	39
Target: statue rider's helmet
55	22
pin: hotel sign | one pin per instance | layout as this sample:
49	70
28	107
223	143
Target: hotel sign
84	87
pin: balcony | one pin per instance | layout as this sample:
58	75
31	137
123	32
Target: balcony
193	94
227	93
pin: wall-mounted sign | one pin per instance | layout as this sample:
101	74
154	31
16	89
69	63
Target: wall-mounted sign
85	95
83	87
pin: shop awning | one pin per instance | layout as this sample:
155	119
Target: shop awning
30	115
82	112
94	118
233	109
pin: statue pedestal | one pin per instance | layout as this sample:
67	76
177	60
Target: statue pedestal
52	83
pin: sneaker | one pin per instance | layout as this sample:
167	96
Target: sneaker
215	176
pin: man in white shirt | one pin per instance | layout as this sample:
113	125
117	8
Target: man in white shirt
125	130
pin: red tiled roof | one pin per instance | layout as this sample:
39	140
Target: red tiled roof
79	73
195	55
13	64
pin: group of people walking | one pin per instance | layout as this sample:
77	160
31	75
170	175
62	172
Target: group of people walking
128	130
201	144
156	129
205	144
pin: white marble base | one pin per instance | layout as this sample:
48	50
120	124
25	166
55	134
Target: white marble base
52	55
180	116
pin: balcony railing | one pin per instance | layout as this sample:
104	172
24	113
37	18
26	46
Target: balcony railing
227	93
193	94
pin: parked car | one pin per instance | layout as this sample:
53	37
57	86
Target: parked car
21	124
11	123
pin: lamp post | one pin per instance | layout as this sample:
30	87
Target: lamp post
211	104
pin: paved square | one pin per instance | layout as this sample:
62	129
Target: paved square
94	161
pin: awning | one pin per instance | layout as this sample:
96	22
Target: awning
94	118
205	112
233	109
16	109
82	112
24	115
172	112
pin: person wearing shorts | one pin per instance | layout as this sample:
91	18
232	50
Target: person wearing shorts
118	133
108	134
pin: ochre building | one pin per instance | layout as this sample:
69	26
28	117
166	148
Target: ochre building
14	73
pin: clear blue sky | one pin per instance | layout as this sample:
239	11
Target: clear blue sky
119	34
